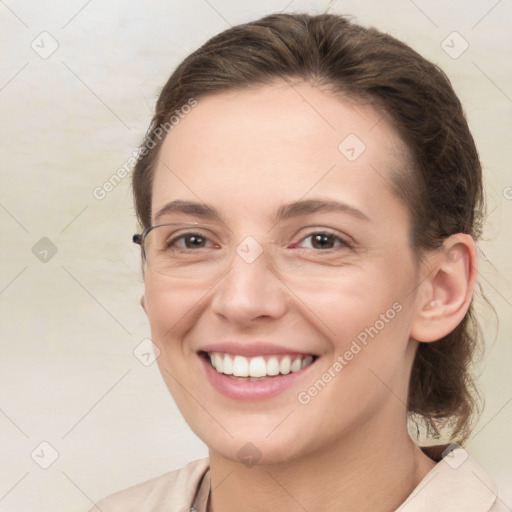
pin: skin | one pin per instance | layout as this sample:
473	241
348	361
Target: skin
247	153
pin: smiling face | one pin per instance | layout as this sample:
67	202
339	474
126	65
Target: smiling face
298	272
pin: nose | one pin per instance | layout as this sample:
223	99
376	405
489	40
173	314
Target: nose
250	292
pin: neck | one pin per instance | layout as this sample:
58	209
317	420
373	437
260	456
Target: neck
361	471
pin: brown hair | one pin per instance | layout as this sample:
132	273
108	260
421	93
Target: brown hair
442	189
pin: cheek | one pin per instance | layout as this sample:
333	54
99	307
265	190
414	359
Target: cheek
366	317
356	299
171	309
172	312
374	347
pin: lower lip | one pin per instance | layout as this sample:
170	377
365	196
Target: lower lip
251	390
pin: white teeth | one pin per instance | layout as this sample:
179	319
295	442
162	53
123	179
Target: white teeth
273	366
219	362
285	365
241	366
257	367
307	360
296	365
228	365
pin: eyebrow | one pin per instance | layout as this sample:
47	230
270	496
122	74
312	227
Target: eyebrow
287	211
298	208
201	210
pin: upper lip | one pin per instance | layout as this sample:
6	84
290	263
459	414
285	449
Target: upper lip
251	349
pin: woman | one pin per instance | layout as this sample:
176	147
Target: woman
310	197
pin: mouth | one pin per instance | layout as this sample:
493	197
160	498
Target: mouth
238	367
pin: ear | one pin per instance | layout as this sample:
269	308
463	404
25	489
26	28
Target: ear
445	294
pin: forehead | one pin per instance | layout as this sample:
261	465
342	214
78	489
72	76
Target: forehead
249	149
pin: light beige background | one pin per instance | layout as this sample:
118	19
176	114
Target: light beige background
69	325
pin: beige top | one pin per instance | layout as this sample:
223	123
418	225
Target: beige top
456	483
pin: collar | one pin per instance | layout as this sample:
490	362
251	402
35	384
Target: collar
456	482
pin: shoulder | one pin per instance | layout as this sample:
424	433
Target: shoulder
457	482
176	488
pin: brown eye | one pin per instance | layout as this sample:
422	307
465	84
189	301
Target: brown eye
188	241
322	241
194	241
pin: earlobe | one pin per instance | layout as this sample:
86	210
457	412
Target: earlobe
447	290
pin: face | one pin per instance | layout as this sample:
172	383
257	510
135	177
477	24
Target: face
298	271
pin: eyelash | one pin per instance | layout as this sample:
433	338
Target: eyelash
173	240
342	242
